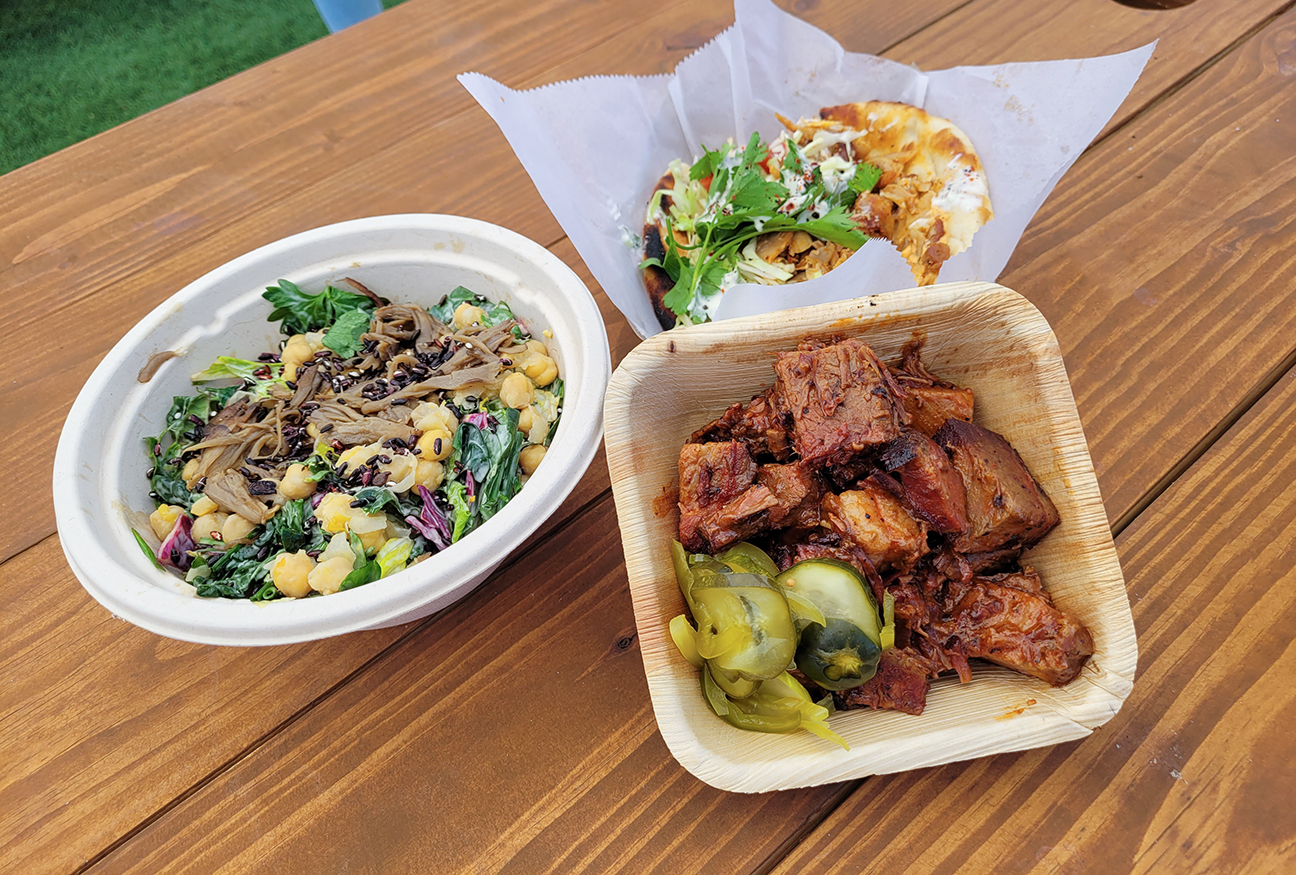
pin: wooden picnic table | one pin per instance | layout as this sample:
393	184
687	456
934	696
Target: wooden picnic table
513	731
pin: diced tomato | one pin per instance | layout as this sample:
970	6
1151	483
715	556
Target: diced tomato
706	181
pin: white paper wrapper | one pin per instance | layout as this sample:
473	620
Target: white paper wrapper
595	147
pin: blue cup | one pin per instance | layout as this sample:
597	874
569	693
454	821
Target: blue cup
338	14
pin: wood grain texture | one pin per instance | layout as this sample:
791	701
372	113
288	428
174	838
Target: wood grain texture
100	233
1195	774
1187	38
515	735
1166	257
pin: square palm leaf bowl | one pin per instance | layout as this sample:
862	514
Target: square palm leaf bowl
979	335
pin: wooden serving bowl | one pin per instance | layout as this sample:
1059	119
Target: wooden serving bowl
979	335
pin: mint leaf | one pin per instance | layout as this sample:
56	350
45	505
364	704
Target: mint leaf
344	337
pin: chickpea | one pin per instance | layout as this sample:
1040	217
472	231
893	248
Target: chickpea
291	573
542	369
429	474
529	458
515	391
526	419
296	483
435	444
327	576
204	506
190	473
208	525
373	541
236	528
296	352
466	314
334	512
163	519
402	471
427	416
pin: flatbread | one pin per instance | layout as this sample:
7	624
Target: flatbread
933	194
930	200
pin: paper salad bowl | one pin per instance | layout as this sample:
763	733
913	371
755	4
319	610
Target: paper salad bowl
100	489
979	335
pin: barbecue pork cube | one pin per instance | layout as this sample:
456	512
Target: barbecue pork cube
797	491
875	521
848	553
1006	507
900	685
841	399
759	425
932	488
1018	630
929	407
719	501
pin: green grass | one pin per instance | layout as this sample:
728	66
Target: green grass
72	68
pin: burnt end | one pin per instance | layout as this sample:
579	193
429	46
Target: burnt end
719	501
1006	506
930	407
933	490
797	491
759	425
1018	630
874	520
900	685
840	398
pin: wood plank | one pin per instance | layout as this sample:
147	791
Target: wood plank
1164	263
96	275
1187	38
1195	774
517	732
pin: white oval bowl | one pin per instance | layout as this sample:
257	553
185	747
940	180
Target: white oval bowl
100	488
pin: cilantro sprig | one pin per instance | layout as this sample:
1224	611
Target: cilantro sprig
743	203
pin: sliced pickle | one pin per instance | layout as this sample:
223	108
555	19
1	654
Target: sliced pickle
748	557
744	630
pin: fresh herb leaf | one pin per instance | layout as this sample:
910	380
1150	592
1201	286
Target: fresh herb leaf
300	312
866	176
344	337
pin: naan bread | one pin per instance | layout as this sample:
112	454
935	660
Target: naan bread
931	198
933	194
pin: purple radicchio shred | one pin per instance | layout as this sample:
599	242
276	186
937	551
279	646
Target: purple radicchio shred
431	523
176	545
317	498
480	419
472	485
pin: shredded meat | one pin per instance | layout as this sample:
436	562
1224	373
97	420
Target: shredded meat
881	468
